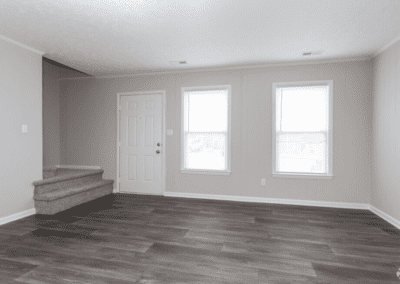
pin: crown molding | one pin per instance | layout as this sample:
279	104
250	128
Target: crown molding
389	44
227	68
21	45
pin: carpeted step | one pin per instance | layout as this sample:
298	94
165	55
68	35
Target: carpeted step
59	200
49	172
57	194
70	187
66	179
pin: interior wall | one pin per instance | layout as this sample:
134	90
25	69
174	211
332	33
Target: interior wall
89	129
386	151
21	103
51	115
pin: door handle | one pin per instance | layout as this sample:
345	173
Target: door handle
158	151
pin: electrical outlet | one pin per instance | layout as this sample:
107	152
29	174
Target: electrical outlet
263	181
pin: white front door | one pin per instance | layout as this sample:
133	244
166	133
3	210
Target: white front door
140	157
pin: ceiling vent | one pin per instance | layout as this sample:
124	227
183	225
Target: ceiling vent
182	62
316	52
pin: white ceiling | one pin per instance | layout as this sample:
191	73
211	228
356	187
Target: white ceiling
112	37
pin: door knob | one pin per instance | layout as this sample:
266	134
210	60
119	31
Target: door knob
158	151
158	144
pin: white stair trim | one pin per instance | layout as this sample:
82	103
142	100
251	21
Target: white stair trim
78	167
17	216
270	200
385	216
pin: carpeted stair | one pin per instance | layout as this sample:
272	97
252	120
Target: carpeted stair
62	189
49	172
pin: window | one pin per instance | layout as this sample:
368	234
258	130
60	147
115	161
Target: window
302	129
206	130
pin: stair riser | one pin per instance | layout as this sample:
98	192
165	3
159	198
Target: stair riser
67	183
55	206
49	172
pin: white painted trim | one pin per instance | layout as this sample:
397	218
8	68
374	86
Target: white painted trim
163	134
298	176
229	132
78	167
226	68
270	200
385	216
344	205
140	193
388	45
329	149
17	216
21	45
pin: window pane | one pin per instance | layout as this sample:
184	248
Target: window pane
301	152
205	151
302	109
206	111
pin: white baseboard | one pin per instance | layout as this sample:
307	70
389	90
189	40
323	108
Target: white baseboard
385	216
345	205
115	190
78	167
270	200
17	216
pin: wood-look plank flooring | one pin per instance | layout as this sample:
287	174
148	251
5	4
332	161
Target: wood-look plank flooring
150	239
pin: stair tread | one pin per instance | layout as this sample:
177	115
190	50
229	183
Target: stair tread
50	168
68	176
60	193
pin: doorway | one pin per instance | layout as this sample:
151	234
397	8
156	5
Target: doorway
141	143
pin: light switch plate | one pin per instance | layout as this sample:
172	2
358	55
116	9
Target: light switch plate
170	132
24	128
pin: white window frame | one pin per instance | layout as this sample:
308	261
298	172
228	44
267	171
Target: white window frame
329	164
229	135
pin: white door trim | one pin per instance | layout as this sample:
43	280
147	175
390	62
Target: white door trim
163	135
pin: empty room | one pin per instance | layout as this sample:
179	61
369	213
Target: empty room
202	141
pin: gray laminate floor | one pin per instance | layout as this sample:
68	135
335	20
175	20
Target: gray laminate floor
143	239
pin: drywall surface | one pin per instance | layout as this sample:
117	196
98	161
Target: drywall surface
51	114
386	118
89	129
21	103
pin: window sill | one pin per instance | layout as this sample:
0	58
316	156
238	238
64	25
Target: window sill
300	176
223	173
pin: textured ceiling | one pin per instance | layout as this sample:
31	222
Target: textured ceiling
120	37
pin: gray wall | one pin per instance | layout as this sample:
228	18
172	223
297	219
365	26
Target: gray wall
51	115
21	103
89	129
386	124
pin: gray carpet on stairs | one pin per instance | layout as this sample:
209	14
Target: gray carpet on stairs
68	188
